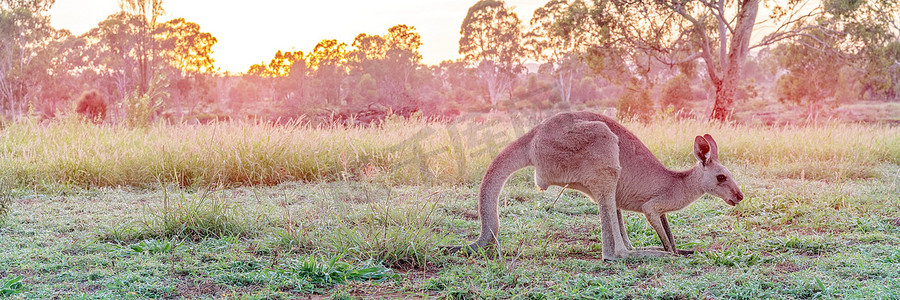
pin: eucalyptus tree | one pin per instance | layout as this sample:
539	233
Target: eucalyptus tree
717	32
25	34
492	43
557	37
147	13
327	62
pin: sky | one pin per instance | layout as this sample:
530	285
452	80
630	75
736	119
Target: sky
250	32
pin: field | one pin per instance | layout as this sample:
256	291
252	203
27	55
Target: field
256	211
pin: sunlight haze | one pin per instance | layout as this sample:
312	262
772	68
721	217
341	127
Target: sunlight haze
251	32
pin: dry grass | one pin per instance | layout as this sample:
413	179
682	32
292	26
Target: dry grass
397	152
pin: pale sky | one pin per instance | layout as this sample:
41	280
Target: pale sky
250	32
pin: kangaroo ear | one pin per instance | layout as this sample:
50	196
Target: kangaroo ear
713	147
701	149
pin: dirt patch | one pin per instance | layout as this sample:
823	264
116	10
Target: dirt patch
787	267
380	290
575	234
896	222
585	256
466	214
27	201
191	288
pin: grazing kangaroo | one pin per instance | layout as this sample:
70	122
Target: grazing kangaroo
593	154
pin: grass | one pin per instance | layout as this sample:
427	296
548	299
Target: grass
399	152
293	211
11	286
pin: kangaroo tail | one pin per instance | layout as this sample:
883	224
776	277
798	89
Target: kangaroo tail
513	157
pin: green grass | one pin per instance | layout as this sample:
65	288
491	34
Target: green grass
12	286
248	211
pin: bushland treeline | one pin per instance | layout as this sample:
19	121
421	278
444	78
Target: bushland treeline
641	58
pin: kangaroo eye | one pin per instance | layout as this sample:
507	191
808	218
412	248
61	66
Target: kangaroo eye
721	178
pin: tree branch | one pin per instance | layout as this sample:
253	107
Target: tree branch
719	12
793	19
670	62
776	37
706	52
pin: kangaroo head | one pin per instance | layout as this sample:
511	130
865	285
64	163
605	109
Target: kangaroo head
715	179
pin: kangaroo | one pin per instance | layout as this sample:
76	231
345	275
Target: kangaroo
599	157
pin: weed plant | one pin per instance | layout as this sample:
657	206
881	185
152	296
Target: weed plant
11	286
184	215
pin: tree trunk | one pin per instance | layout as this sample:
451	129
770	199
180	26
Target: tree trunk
733	64
492	77
725	91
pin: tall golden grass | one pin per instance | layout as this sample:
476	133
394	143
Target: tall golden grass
396	152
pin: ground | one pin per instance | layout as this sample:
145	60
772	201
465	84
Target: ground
262	211
789	239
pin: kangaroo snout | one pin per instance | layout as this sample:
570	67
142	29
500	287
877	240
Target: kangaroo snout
736	197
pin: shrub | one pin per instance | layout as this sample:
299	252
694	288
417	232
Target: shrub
635	102
141	108
91	105
5	203
193	216
6	198
677	92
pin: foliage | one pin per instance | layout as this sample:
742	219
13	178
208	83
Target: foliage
26	53
391	61
558	37
491	42
142	108
677	92
191	216
584	47
185	47
153	246
869	42
324	272
635	102
327	64
6	199
675	33
853	55
129	50
11	286
92	106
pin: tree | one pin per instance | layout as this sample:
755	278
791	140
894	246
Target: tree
147	12
185	53
327	64
869	43
717	32
556	37
858	56
114	52
27	52
61	68
284	77
402	58
185	47
389	60
491	42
